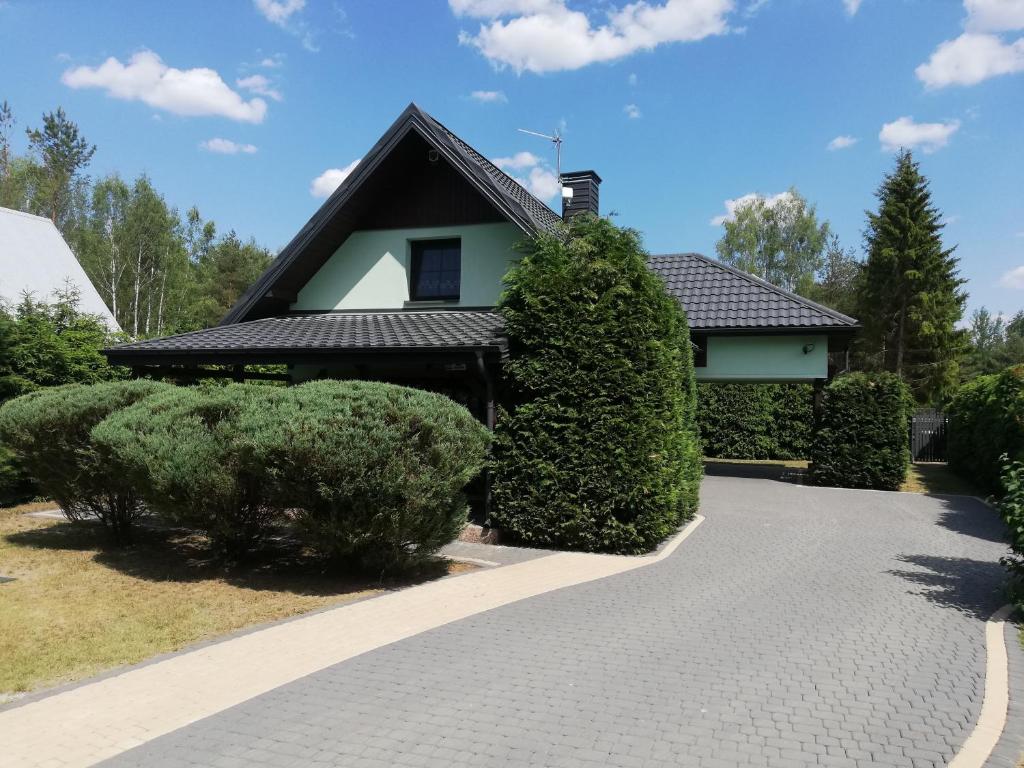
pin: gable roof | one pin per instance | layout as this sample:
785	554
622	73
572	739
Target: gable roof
34	258
717	296
332	332
498	188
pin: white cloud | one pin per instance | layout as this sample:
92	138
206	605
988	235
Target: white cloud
842	142
273	62
328	181
852	6
227	147
489	97
1013	279
517	162
632	79
632	111
259	85
731	206
279	11
994	15
971	58
285	14
906	134
542	183
546	36
146	78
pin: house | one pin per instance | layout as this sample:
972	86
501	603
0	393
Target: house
35	260
397	275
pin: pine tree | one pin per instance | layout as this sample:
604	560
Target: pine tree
910	299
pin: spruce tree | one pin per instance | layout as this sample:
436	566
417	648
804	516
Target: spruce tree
910	298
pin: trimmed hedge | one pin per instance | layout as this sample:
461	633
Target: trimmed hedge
599	448
194	453
377	471
50	432
986	421
755	421
1011	508
863	438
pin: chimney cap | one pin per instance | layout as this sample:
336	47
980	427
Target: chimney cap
566	175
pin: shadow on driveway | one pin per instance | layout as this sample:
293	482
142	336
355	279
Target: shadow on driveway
960	583
971	517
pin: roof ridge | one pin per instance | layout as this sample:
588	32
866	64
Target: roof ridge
484	160
26	214
761	282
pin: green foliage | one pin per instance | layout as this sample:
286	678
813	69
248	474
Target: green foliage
838	280
52	344
599	450
375	471
1011	508
157	272
50	433
755	421
779	240
986	421
194	453
993	343
863	437
910	298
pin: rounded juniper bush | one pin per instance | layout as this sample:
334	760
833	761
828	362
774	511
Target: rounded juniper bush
50	432
597	449
193	453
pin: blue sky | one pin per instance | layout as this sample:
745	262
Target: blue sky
680	105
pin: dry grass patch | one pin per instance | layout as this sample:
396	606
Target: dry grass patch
936	478
76	608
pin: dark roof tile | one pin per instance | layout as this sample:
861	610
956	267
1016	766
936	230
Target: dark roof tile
716	295
333	332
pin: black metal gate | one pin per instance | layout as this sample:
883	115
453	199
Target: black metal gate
928	436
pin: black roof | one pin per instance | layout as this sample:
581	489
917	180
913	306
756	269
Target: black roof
329	332
719	297
497	187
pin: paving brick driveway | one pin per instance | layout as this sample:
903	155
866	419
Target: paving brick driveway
796	626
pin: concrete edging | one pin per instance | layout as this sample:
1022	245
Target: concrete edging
983	739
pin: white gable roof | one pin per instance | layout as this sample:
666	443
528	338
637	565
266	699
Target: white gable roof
35	258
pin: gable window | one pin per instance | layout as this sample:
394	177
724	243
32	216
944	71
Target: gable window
436	270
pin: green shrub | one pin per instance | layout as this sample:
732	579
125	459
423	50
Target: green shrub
863	438
376	471
195	455
49	432
599	449
1011	507
755	421
986	421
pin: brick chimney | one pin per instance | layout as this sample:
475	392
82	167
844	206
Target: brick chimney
584	186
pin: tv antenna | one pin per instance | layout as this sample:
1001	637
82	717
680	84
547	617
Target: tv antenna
557	141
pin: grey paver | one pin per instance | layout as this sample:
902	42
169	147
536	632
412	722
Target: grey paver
797	626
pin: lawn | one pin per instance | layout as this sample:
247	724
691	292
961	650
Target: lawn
937	478
76	608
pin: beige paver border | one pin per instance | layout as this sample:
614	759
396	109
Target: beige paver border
994	705
97	720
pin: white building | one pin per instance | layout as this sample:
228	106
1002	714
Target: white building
35	258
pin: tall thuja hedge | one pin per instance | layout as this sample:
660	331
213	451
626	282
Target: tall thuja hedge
863	437
755	421
599	449
986	421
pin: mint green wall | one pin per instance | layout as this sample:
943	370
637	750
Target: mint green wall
371	268
765	358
